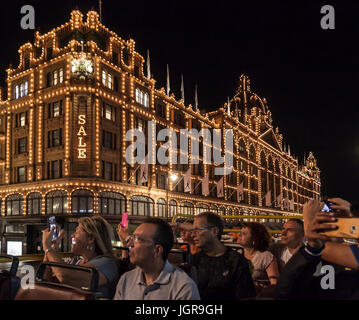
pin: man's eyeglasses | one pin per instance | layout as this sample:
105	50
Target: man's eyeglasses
137	239
201	229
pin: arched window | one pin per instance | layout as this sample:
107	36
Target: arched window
214	208
236	212
201	208
141	206
56	202
34	203
15	205
263	161
270	163
277	170
186	208
252	154
111	203
242	149
82	201
161	208
173	208
222	210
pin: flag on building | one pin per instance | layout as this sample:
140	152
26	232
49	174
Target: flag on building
205	185
268	200
168	81
144	171
182	88
220	187
279	200
148	65
291	205
187	181
196	98
240	193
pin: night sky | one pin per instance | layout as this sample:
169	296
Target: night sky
308	75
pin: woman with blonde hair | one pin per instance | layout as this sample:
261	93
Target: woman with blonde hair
92	247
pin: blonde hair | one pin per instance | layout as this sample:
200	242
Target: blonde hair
98	228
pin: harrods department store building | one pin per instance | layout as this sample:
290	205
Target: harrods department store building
69	103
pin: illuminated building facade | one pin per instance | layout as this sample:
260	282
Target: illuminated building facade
76	92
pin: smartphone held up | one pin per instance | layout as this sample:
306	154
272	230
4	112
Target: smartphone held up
52	224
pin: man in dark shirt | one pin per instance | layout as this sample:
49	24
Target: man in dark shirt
222	273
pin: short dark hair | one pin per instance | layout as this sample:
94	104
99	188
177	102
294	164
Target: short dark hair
299	223
163	235
213	220
260	235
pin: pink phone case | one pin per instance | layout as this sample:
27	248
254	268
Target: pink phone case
124	221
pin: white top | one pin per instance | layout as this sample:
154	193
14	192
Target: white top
286	255
260	262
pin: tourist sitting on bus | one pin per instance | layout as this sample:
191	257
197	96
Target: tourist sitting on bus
186	236
154	278
255	240
222	272
291	240
92	247
310	273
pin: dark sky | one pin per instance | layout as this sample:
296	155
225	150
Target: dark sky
309	76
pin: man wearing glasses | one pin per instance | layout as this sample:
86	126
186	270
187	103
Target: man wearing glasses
154	278
222	273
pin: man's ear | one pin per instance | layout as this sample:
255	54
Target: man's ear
215	231
158	250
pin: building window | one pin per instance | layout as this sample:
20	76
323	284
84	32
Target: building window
161	110
20	174
141	206
21	119
202	208
61	75
14	205
104	77
140	124
82	201
108	140
173	208
111	203
55	77
56	202
34	203
107	172
54	138
54	169
109	112
161	208
142	98
186	208
55	109
21	90
21	145
161	181
17	94
179	119
107	79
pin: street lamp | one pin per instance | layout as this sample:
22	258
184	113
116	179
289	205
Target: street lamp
173	177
